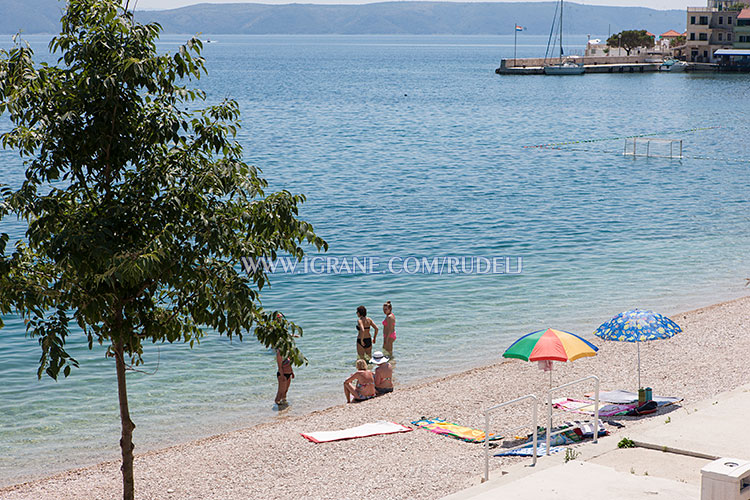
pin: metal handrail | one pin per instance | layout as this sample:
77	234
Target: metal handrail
487	430
549	408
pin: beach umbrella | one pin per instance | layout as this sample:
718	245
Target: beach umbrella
550	345
638	326
546	346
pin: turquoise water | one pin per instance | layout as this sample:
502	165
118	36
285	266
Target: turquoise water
412	146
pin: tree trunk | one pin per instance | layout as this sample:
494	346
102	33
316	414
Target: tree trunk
126	440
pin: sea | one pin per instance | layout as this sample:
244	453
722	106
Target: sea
411	149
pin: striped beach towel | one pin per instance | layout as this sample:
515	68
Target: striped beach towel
440	426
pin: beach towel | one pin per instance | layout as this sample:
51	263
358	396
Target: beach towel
373	429
440	426
566	437
570	432
527	451
586	428
587	407
562	434
626	397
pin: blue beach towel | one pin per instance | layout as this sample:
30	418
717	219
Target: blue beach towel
527	451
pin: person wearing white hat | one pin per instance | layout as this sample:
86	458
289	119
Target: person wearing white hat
383	374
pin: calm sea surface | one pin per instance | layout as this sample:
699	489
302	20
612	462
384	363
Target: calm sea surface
412	146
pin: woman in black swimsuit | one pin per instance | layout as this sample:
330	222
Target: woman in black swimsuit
364	341
284	375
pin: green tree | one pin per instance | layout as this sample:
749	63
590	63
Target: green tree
677	41
631	39
138	209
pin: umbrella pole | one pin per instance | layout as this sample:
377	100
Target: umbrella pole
639	364
549	413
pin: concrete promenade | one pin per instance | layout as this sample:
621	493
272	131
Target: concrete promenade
692	436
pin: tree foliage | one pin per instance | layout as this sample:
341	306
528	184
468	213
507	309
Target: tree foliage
138	207
631	39
677	41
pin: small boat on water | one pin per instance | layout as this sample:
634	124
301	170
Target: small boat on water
562	67
673	65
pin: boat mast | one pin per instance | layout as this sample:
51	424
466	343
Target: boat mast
561	28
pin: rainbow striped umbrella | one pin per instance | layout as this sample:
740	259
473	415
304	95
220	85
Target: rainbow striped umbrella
550	345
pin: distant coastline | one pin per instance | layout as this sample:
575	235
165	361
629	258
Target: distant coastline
391	18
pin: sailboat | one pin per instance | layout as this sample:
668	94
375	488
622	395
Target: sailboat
563	67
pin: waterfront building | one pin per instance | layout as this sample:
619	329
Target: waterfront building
668	44
742	30
709	29
597	48
667	37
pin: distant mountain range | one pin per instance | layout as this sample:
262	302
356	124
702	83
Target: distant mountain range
419	18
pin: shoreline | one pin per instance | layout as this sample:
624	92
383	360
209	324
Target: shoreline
225	421
695	365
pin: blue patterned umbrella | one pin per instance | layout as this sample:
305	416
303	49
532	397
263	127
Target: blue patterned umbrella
638	326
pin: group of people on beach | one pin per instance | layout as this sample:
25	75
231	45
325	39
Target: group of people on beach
365	384
362	384
365	341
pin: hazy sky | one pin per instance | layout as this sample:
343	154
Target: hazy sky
654	4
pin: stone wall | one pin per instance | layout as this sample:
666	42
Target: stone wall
539	61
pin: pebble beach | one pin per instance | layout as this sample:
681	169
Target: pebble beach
272	460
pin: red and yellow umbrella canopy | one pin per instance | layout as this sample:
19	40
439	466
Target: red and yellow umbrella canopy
549	344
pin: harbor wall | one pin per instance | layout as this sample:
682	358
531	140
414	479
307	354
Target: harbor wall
532	62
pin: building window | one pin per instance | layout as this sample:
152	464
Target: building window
692	36
729	20
692	19
721	37
702	37
705	54
729	37
703	20
721	19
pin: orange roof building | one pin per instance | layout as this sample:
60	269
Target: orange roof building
671	34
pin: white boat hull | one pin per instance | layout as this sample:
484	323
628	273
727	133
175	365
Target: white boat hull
677	67
565	69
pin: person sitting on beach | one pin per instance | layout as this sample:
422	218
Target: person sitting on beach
284	375
383	374
364	341
361	385
389	328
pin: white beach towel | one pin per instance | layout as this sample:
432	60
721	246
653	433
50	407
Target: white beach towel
372	429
